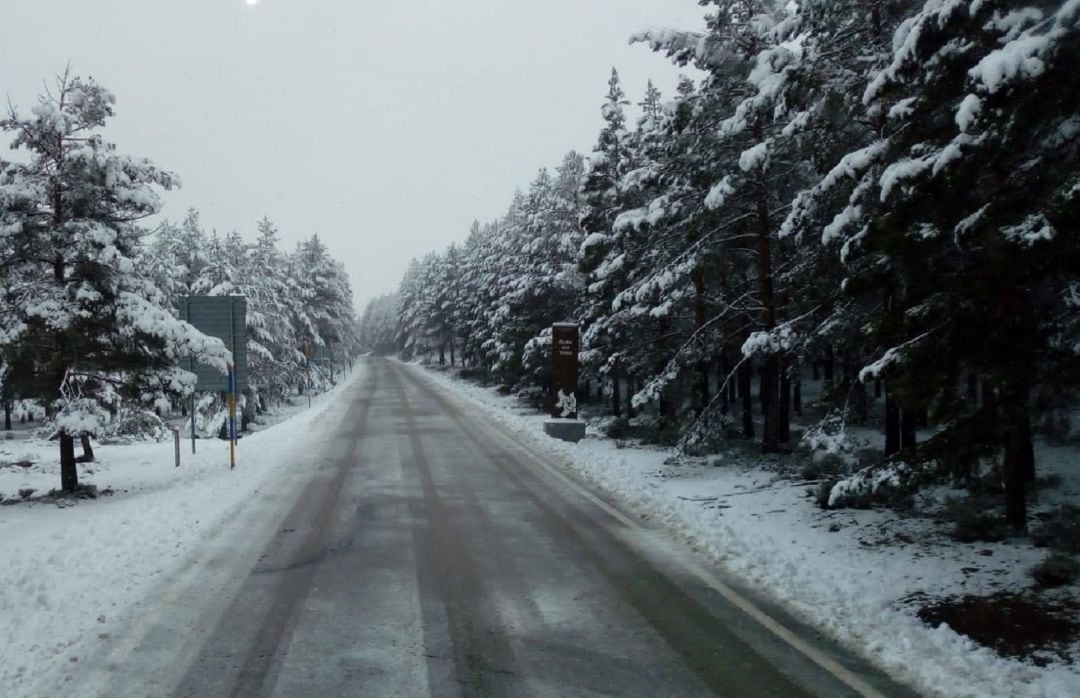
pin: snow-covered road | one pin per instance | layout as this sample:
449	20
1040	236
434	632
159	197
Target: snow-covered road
405	545
414	535
431	554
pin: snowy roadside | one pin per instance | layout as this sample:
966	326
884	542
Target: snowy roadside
830	568
71	571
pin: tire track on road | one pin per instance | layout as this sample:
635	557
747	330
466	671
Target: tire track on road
689	628
264	652
483	658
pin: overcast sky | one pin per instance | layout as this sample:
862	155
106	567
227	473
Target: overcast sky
385	126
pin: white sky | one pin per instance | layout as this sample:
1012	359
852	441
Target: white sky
385	126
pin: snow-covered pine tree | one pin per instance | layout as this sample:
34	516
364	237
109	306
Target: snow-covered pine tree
480	288
748	51
272	362
966	208
83	327
324	317
844	45
605	258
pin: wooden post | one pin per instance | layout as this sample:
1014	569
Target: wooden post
176	444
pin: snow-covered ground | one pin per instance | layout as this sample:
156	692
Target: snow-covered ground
856	574
73	569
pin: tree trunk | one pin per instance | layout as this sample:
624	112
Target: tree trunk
785	405
703	386
746	376
770	384
909	419
699	323
860	403
442	354
1023	444
87	449
892	424
733	385
828	368
616	401
69	476
796	395
7	415
877	389
1019	457
721	375
1026	449
989	397
249	410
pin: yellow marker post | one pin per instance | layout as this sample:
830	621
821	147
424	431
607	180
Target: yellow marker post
230	400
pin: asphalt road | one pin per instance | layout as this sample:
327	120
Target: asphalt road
432	554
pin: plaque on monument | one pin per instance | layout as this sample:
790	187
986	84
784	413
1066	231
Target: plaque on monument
564	370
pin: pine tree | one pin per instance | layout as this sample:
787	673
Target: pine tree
965	209
84	327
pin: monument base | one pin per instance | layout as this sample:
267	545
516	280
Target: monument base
565	429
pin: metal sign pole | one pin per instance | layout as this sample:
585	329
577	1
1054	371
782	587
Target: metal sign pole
191	367
231	399
193	422
232	385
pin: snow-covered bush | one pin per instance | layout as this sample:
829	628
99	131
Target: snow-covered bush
135	424
882	483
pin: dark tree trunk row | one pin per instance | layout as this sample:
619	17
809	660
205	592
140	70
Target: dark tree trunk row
746	378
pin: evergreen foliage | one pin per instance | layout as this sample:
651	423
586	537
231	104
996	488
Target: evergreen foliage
88	299
884	192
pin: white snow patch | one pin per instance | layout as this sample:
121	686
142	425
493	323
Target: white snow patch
756	157
71	572
719	193
968	111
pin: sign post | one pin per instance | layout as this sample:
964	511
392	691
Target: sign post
224	317
192	422
565	344
231	402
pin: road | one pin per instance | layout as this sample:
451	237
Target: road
430	553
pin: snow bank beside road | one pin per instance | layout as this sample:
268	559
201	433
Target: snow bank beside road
848	572
69	574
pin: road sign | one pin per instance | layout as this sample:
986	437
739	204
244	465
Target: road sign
224	317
